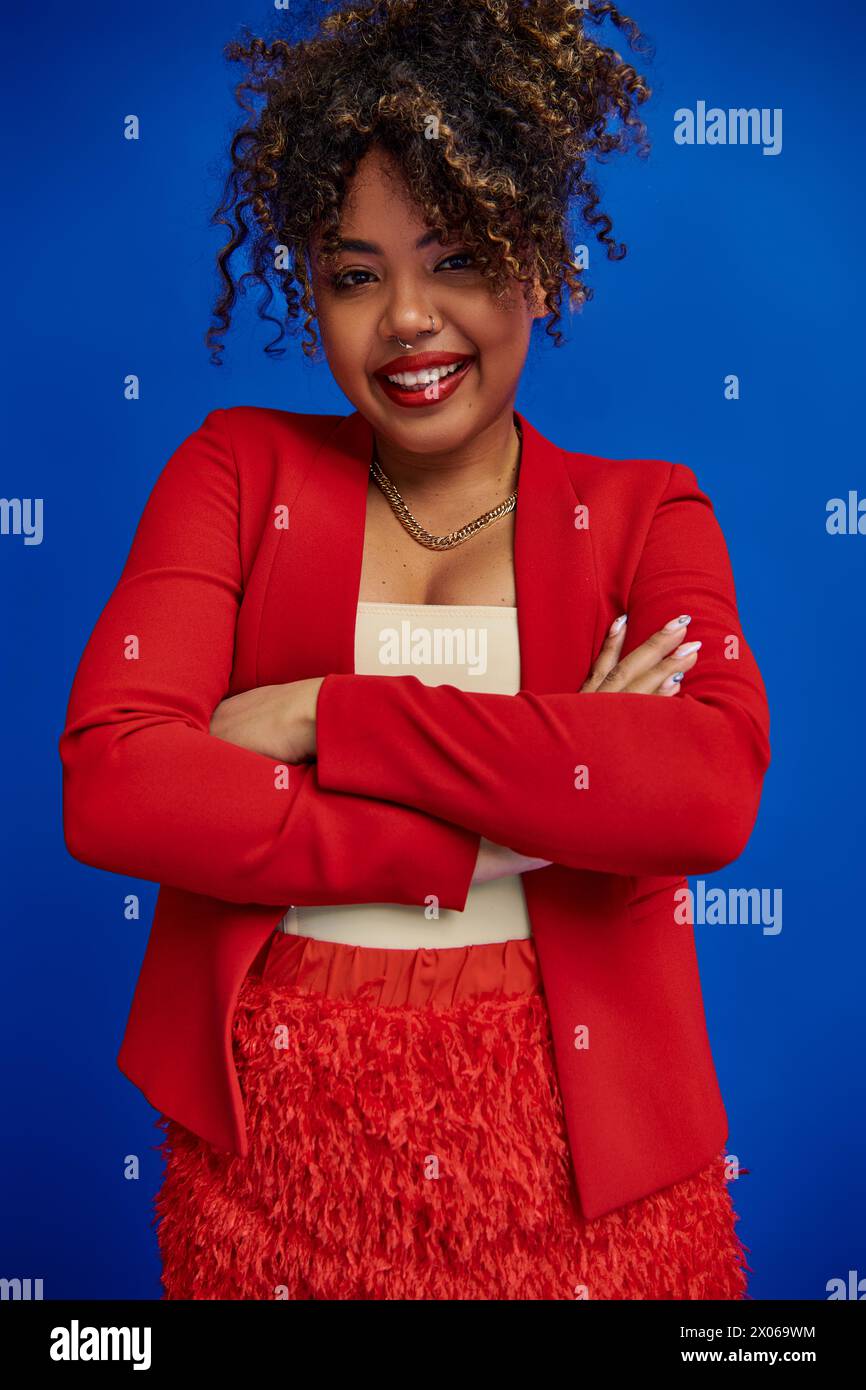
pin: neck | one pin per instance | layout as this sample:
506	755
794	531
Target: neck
484	470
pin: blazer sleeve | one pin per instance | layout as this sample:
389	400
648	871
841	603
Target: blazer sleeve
148	791
674	783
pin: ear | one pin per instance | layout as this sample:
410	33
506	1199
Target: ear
538	308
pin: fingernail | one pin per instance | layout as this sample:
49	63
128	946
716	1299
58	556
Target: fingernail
674	679
617	624
678	622
687	648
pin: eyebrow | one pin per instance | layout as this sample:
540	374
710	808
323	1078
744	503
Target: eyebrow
372	249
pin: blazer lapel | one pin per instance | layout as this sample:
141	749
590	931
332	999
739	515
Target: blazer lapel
557	592
307	625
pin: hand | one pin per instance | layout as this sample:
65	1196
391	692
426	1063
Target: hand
653	668
656	667
277	720
497	861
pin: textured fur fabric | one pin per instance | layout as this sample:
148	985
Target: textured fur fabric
417	1153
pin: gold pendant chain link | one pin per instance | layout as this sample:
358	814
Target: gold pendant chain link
414	527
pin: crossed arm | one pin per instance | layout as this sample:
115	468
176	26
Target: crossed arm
410	779
148	792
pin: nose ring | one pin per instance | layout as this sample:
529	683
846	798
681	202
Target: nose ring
432	329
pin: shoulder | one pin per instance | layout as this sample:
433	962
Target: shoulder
644	511
646	481
252	427
627	499
651	480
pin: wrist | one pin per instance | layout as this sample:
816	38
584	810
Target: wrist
315	686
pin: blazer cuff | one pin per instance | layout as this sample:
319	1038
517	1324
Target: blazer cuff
346	703
350	747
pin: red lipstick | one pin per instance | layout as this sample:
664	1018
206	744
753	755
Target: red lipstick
424	394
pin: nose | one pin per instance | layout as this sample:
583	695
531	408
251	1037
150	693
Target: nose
408	324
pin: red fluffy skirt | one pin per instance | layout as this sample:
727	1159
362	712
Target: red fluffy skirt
407	1141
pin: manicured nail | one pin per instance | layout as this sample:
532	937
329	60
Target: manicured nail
678	622
673	680
617	624
686	649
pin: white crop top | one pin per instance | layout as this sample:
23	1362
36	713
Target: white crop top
475	647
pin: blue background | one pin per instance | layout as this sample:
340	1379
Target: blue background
738	263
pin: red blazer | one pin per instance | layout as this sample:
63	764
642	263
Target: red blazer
220	599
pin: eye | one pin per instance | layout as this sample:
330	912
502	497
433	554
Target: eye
457	256
344	280
341	282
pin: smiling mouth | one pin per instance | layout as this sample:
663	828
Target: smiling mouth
418	381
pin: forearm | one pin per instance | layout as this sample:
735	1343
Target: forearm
614	783
150	793
673	786
173	805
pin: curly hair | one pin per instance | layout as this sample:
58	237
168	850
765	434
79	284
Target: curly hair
490	109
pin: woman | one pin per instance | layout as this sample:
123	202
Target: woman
420	1009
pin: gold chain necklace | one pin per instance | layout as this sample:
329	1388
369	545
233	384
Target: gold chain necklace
453	538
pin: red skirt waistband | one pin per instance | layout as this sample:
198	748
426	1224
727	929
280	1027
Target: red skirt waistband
426	976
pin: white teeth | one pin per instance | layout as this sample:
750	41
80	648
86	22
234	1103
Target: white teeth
425	377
